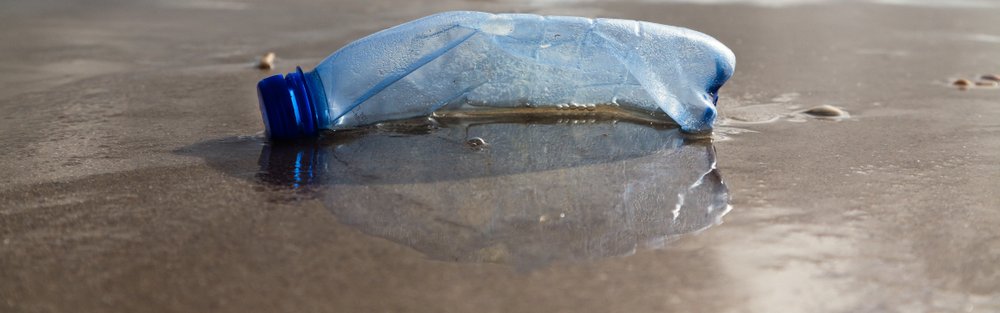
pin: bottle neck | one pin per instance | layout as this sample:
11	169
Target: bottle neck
302	106
317	97
293	106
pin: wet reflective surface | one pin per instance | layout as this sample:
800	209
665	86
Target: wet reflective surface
133	177
525	193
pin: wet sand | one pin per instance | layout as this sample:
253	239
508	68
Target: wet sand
134	178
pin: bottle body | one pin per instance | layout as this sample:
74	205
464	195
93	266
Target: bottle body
471	60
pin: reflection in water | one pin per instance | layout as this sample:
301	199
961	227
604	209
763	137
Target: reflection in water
536	192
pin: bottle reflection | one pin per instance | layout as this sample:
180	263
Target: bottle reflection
528	195
294	165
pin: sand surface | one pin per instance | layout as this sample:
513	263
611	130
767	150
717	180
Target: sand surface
135	178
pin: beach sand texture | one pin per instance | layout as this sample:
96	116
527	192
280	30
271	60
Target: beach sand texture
132	176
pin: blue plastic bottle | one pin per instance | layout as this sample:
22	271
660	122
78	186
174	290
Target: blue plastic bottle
474	60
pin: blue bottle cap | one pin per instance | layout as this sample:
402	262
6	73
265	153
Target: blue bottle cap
286	107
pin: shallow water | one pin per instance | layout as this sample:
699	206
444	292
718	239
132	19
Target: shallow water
561	189
133	173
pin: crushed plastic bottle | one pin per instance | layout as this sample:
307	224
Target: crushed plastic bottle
473	60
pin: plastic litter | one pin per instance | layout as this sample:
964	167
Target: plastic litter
474	61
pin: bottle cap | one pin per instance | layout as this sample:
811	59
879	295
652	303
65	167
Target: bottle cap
285	107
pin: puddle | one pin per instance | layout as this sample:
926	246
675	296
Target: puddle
523	193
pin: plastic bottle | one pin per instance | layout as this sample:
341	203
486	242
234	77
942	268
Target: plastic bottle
473	60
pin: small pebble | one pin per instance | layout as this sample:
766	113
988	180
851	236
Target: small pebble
266	61
825	111
993	77
986	83
476	142
962	83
